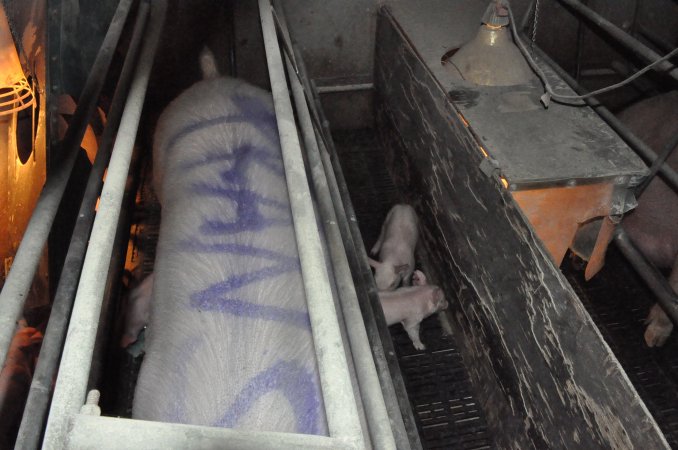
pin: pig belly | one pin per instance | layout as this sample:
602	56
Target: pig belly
229	341
653	225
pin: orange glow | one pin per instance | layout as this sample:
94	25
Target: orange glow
482	150
15	92
96	207
463	120
493	27
504	182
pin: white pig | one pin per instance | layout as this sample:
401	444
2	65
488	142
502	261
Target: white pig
138	311
411	304
395	248
653	225
229	341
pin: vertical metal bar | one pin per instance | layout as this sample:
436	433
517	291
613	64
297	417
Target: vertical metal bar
619	35
340	405
71	386
370	390
37	404
580	42
15	290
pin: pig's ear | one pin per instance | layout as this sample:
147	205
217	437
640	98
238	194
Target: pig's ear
401	269
373	263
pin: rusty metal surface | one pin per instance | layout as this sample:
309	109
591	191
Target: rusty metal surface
543	374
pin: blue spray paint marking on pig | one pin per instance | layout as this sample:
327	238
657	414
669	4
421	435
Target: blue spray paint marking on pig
242	308
263	156
252	112
293	381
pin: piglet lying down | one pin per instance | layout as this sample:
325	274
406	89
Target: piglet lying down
412	304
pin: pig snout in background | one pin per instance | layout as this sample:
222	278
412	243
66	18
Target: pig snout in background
395	248
138	311
229	341
15	380
410	305
653	225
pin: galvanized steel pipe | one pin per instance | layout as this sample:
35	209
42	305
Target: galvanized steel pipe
340	404
27	258
621	36
110	433
370	389
37	403
666	297
71	385
642	149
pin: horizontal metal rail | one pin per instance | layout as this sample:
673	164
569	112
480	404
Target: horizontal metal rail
366	372
622	37
27	258
108	433
37	404
71	384
641	148
340	404
657	283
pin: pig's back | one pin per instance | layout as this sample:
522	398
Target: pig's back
229	340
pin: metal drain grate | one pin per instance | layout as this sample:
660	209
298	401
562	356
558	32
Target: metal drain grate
618	302
438	386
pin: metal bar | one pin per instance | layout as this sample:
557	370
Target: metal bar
659	162
655	40
345	88
340	404
619	35
397	404
37	403
642	149
71	385
658	284
109	433
366	372
27	258
580	42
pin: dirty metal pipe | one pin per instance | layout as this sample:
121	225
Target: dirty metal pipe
71	385
27	258
657	283
50	351
641	148
370	389
669	148
340	404
619	35
397	405
110	433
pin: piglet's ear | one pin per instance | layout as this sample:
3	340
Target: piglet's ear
373	263
401	269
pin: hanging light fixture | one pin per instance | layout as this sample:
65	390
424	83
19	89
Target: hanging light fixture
491	58
16	93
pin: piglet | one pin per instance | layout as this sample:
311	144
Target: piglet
412	304
15	380
395	248
138	311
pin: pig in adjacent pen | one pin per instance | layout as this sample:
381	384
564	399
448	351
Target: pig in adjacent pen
411	304
229	341
653	225
395	248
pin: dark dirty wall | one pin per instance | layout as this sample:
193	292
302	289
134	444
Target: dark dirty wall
544	375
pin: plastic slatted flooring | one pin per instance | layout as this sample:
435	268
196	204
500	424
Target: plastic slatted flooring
439	390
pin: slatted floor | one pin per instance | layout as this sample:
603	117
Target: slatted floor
618	302
438	387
